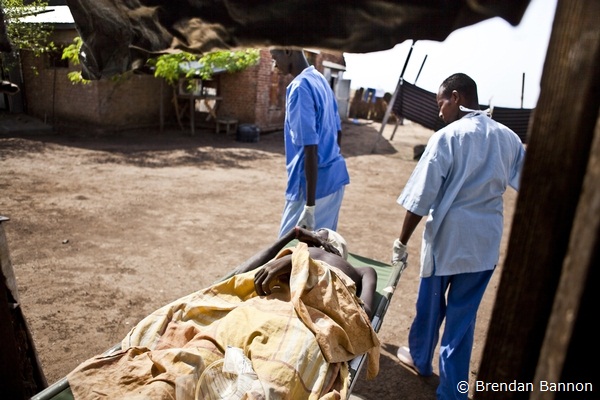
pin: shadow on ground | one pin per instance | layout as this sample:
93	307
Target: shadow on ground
394	381
152	148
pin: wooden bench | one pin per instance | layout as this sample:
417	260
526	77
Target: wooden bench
229	124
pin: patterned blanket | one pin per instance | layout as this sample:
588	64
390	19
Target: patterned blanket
298	341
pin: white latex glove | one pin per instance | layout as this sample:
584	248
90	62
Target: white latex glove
399	252
307	218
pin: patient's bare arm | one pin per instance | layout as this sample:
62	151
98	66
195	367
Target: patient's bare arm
303	235
271	273
366	288
278	272
365	278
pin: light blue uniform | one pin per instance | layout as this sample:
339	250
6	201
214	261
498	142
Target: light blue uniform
458	184
312	118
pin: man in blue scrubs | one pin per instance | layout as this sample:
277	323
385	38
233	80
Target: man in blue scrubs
458	184
316	170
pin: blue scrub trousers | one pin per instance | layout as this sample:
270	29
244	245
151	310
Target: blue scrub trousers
327	210
465	292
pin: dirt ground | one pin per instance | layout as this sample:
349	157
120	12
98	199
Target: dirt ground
104	230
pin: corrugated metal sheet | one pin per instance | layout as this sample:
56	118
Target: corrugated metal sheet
420	106
52	15
417	105
516	119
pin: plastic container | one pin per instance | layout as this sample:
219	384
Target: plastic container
248	133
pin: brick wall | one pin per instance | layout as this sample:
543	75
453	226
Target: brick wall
247	94
131	101
255	95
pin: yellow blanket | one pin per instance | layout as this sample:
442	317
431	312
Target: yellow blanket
298	348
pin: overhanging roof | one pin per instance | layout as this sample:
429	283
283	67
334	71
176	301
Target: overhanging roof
118	36
59	16
333	65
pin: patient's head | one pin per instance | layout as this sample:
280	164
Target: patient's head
335	239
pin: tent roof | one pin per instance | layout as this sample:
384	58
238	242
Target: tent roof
118	37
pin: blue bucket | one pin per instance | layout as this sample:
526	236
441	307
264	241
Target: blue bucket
248	133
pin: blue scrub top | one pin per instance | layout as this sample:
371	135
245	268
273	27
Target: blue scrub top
312	118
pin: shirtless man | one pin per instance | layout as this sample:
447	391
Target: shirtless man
324	245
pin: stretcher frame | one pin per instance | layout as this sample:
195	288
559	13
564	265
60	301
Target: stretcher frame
387	280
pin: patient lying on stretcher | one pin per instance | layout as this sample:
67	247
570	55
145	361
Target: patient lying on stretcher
297	319
324	245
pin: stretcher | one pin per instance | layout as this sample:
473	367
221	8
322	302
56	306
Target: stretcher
387	280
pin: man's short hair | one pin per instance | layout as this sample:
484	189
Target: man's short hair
462	83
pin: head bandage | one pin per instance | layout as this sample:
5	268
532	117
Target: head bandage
337	241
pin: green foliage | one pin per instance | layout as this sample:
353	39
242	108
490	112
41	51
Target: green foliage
27	35
172	67
231	61
71	53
